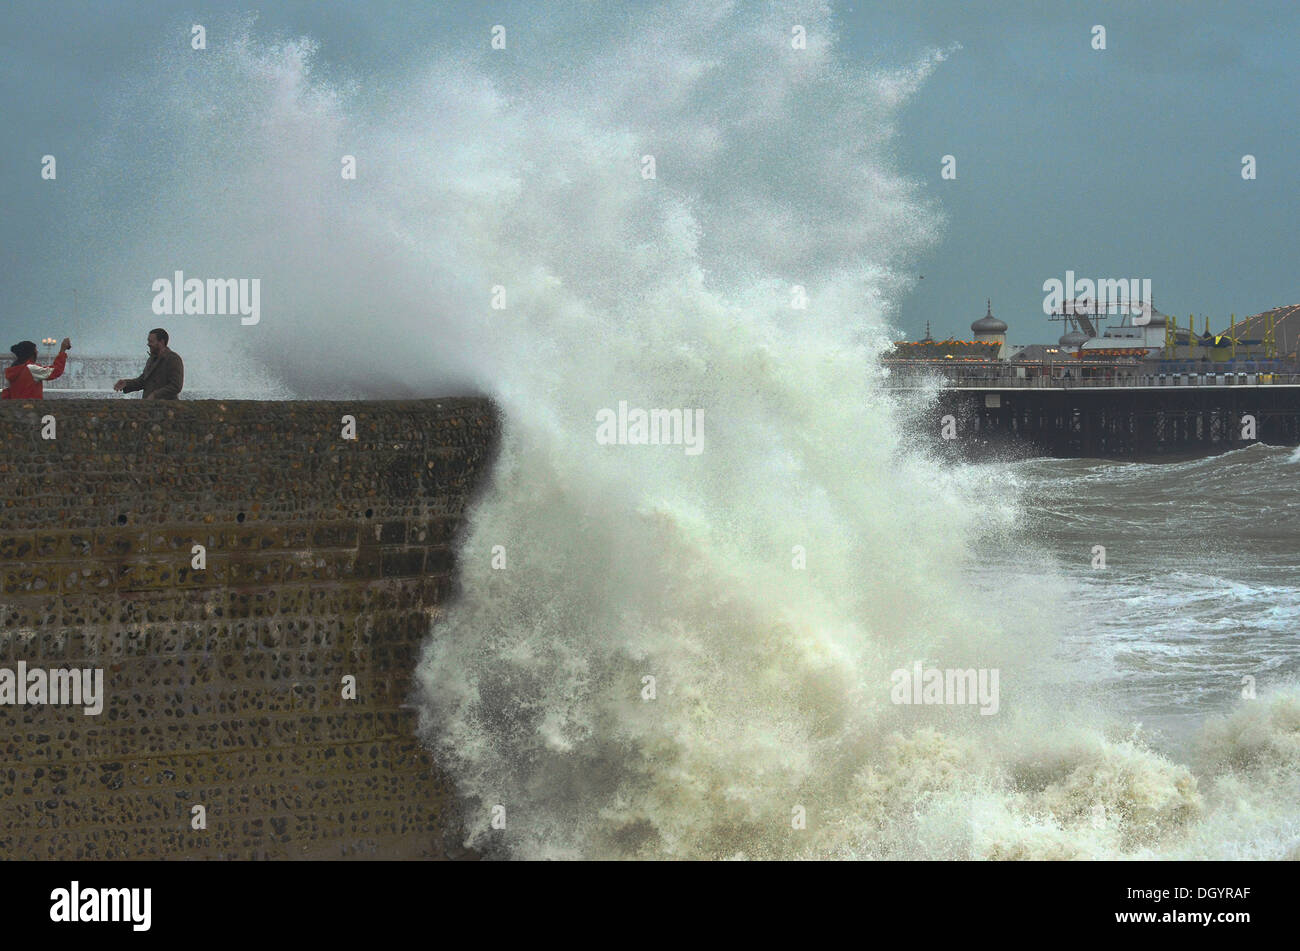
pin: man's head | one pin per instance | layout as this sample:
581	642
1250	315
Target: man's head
157	341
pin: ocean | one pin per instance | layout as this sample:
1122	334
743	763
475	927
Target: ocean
1199	591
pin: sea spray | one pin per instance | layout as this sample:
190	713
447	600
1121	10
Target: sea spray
772	679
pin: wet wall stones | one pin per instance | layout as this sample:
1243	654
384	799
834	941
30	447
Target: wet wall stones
324	557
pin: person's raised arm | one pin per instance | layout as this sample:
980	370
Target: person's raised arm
44	374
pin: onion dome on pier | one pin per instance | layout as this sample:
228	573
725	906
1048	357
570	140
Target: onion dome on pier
988	324
988	329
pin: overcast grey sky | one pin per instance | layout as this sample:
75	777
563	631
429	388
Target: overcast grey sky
1117	163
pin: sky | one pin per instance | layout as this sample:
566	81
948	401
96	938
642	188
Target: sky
1117	163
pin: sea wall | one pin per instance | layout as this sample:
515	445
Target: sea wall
226	685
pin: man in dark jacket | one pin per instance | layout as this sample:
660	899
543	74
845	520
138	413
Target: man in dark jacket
164	373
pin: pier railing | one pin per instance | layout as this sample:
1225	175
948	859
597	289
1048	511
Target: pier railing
969	381
1145	380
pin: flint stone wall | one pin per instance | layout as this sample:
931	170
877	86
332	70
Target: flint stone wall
325	557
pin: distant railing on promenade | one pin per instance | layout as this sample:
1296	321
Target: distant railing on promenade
90	375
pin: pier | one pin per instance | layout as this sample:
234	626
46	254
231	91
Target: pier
1140	419
1142	388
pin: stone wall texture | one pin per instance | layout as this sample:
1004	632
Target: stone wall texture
326	557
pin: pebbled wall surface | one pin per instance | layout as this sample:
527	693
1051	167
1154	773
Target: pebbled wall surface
326	557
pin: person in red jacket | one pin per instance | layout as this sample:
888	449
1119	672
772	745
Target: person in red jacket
26	377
